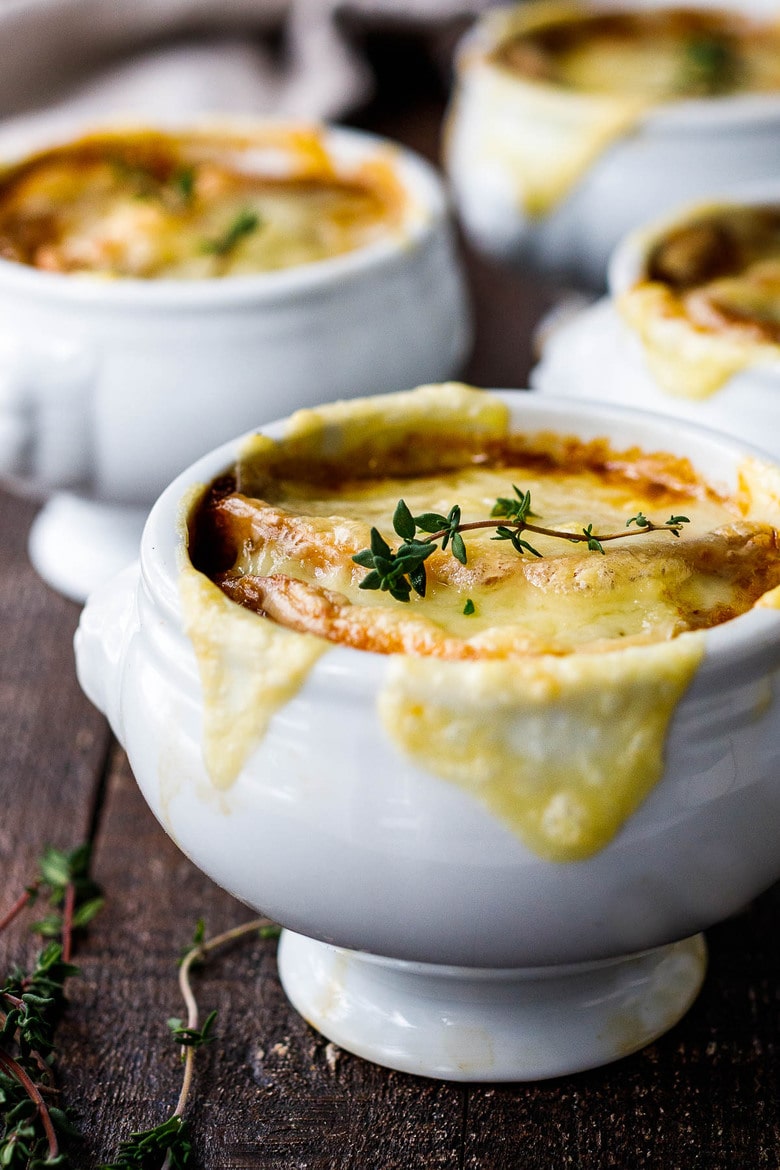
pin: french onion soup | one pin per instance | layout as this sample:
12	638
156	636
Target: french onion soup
281	539
191	205
708	302
539	601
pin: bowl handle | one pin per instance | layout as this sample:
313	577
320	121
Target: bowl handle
108	620
46	393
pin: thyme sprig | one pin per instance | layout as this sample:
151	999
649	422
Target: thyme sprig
31	1127
403	570
167	1146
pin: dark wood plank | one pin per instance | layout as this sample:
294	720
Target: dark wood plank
53	743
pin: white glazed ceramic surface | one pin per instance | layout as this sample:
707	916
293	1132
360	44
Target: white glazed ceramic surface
112	387
679	151
595	354
333	833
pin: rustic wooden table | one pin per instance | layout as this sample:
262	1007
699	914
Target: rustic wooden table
270	1092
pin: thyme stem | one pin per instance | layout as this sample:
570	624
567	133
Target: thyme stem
34	1054
67	921
14	1069
196	955
525	525
18	906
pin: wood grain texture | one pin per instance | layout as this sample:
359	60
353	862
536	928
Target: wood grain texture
53	743
706	1096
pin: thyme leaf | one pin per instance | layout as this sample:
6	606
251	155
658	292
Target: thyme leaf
183	183
146	1149
192	1037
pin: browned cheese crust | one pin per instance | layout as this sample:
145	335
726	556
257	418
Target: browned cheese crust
708	577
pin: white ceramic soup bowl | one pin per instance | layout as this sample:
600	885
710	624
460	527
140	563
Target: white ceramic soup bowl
597	353
108	388
677	151
420	932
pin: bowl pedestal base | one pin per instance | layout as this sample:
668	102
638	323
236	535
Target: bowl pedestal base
477	1024
76	543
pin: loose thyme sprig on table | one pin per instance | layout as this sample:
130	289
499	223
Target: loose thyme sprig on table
31	1127
403	570
167	1146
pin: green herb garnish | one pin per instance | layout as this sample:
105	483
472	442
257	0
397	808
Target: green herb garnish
469	608
711	65
243	225
183	183
32	1129
403	570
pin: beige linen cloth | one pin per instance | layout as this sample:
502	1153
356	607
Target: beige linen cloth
66	61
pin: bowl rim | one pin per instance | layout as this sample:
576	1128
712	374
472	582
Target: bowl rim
427	209
746	642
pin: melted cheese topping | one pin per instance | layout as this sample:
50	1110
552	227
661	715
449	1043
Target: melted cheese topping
550	703
293	561
148	204
709	303
557	83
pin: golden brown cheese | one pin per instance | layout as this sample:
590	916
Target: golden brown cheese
709	302
562	82
148	204
290	554
600	647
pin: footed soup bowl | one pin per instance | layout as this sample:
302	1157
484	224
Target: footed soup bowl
492	853
165	287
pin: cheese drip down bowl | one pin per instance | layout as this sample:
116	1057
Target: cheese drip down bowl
407	815
165	287
555	150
